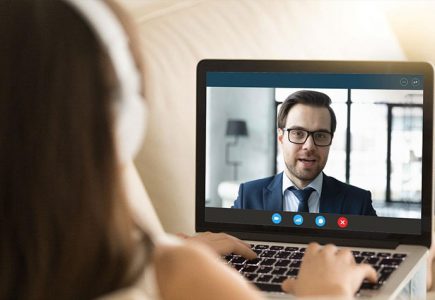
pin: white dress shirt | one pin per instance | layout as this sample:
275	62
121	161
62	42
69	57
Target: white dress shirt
291	202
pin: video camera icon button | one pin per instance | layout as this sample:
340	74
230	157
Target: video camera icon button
276	218
298	220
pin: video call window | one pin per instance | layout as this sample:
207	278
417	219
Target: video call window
377	145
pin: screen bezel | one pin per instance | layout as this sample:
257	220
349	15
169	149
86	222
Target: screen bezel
343	67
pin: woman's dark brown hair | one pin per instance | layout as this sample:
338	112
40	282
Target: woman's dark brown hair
66	231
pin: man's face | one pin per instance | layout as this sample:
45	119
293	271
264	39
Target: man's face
305	161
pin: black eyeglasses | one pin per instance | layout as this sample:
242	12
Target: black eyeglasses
300	136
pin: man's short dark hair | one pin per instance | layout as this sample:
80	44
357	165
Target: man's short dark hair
307	98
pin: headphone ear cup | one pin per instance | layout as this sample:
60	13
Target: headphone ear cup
130	127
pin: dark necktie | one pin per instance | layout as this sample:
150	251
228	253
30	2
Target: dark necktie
302	196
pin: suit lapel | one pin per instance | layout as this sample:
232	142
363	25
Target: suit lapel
272	194
331	201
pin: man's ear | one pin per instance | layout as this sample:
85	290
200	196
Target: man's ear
280	135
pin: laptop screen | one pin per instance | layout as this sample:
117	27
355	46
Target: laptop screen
303	147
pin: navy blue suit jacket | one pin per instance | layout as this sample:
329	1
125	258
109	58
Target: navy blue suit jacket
336	197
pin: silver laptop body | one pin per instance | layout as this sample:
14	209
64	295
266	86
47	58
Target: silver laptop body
383	144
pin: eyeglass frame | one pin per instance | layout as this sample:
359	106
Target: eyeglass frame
309	133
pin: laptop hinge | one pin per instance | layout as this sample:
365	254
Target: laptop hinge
321	240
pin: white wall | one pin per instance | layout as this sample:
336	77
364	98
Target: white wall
257	107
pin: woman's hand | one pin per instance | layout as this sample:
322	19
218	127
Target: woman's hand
329	271
222	243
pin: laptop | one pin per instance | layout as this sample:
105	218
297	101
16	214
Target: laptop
381	147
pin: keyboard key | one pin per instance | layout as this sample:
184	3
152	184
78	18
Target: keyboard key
370	286
367	254
268	253
254	261
249	269
283	254
302	249
267	287
238	260
384	254
229	257
359	259
296	263
282	263
297	255
264	278
291	249
388	270
276	248
268	262
356	253
262	247
238	267
279	270
279	279
391	261
264	269
250	276
293	272
258	251
399	255
372	260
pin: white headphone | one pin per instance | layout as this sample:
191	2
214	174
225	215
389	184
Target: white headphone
129	105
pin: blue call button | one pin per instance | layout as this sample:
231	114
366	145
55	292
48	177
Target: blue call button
298	220
276	218
320	221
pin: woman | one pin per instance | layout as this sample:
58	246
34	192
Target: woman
71	121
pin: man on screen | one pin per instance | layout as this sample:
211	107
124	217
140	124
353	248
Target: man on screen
306	125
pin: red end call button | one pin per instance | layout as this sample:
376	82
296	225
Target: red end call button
342	222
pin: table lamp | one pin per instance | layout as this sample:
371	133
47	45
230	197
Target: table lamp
236	128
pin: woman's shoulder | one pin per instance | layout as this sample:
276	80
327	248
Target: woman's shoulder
145	287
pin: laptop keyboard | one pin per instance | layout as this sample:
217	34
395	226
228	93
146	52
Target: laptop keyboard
275	263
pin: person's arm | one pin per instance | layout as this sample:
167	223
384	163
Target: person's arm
329	271
190	271
222	243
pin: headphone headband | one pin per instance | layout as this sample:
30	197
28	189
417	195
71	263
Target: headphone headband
129	104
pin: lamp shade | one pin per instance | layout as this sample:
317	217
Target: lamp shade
236	128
